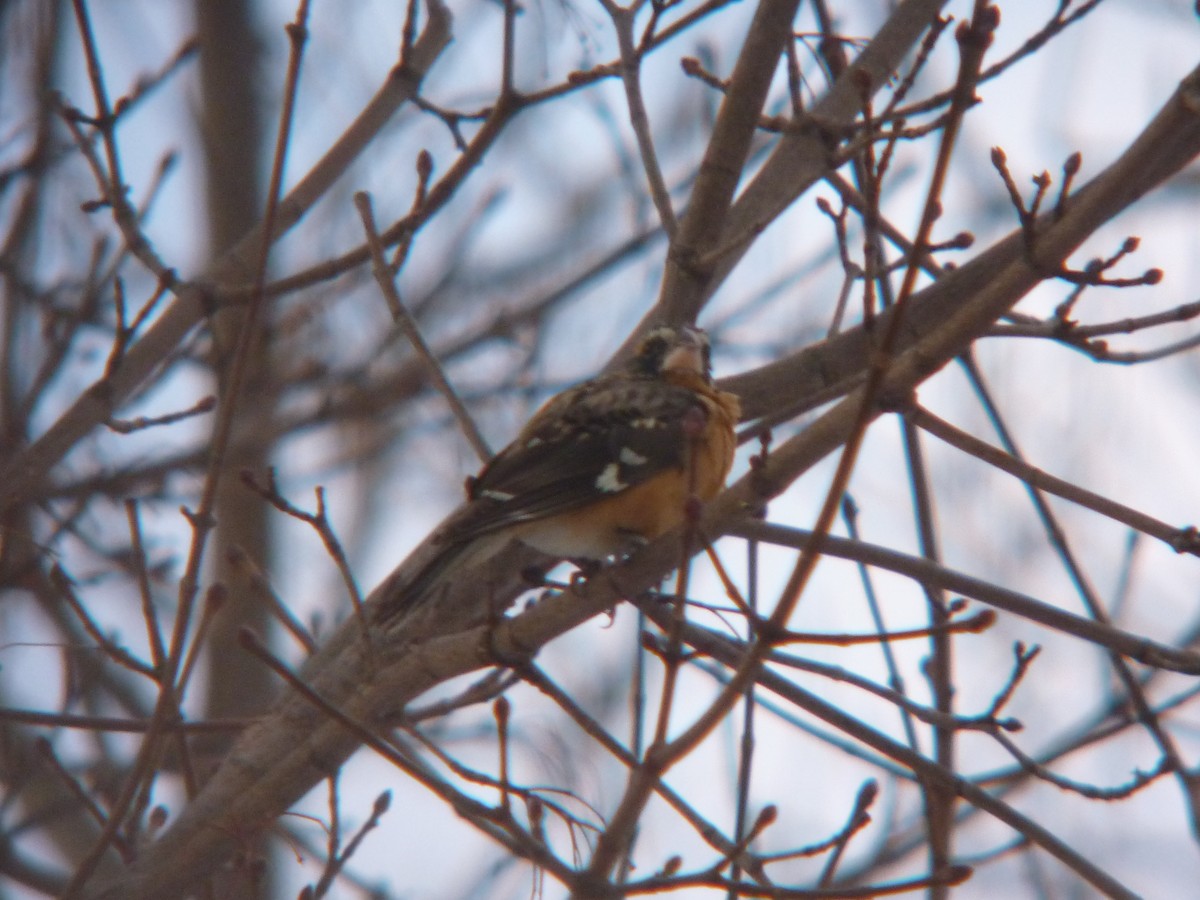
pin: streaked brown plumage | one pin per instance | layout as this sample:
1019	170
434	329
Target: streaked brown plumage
603	466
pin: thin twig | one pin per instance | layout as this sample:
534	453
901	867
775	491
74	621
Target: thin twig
639	119
85	799
1181	540
384	276
158	651
129	426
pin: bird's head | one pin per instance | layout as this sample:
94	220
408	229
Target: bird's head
682	349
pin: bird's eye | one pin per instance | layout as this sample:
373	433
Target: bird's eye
651	353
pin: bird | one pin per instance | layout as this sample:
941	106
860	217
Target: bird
604	466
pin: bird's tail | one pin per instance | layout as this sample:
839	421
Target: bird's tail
408	592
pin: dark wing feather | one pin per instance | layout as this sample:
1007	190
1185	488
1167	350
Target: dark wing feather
602	437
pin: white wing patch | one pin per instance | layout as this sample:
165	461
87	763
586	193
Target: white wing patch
501	496
632	458
609	480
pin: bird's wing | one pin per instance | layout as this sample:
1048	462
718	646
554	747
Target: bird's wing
594	441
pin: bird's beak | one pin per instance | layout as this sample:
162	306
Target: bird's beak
687	355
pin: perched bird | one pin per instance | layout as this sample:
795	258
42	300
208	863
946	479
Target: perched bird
606	465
